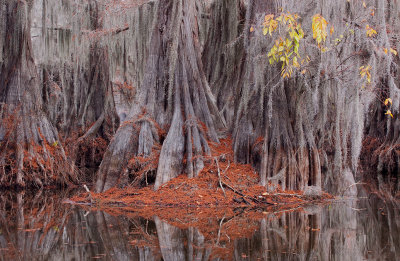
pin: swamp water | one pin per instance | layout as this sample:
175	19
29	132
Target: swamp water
41	227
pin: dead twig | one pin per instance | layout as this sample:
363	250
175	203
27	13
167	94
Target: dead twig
219	176
219	230
240	193
354	184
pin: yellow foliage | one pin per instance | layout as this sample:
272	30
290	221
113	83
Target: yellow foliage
364	72
387	101
389	113
370	31
286	47
393	51
269	24
319	28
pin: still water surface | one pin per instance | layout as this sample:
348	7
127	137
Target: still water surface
40	227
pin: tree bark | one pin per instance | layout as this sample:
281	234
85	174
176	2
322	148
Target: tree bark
77	85
174	96
30	151
198	70
312	124
381	149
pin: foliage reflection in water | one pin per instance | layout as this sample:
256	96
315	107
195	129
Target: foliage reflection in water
39	227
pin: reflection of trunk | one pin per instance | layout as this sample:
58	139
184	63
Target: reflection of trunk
45	229
195	245
20	239
342	236
315	227
177	245
29	142
32	227
171	241
39	229
174	95
113	236
291	233
339	232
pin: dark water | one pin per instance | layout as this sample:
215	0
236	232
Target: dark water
39	227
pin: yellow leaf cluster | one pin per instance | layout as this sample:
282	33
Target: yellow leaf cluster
286	47
319	28
389	113
393	51
364	72
370	31
387	101
269	24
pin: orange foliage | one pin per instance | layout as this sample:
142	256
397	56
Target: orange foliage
201	191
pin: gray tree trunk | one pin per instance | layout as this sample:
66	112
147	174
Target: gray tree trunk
312	124
30	151
77	76
174	96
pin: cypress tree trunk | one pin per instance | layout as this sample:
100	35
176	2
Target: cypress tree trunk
174	96
311	125
197	72
96	105
77	62
30	152
223	54
381	150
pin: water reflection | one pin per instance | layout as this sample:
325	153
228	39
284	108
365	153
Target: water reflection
39	227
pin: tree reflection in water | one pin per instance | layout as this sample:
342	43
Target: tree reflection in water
39	227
